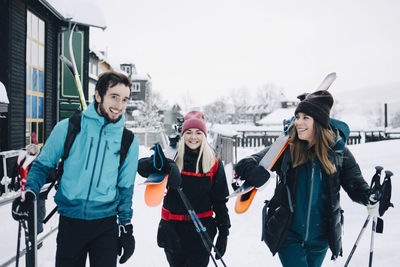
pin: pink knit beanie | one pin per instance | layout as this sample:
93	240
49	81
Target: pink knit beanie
194	119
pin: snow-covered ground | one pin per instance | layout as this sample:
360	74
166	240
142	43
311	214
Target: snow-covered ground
244	245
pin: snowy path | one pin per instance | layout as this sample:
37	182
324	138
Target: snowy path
244	246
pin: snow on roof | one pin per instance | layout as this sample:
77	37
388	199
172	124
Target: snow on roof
98	54
80	11
141	77
277	116
3	94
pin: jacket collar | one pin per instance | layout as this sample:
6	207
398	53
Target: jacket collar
92	114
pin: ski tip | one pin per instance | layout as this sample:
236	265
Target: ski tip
327	82
243	202
154	193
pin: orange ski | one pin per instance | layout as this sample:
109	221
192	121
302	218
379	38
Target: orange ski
268	161
154	193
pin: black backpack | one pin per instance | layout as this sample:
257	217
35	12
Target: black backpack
74	127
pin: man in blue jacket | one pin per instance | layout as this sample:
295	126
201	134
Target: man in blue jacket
94	197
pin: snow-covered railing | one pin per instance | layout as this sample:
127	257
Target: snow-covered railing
10	196
147	137
256	138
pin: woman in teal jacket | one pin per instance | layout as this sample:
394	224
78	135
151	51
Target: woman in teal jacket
304	217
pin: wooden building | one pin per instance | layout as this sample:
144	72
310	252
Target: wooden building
39	87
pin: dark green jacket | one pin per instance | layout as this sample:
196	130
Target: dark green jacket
292	195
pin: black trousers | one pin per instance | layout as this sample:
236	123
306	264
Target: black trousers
77	238
187	259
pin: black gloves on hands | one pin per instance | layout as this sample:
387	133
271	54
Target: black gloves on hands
157	163
21	209
258	176
126	241
248	170
244	166
145	167
174	178
222	241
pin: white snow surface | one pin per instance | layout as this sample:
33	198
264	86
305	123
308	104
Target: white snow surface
244	245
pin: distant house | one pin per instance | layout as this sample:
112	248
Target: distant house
252	113
98	64
274	120
140	90
141	82
39	87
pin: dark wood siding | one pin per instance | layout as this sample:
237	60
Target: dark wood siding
16	74
4	18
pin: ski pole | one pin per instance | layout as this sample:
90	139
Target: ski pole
358	240
371	248
375	183
376	189
200	228
18	244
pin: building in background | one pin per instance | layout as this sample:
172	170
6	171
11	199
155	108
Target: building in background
39	87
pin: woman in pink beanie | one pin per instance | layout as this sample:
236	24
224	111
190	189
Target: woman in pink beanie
204	183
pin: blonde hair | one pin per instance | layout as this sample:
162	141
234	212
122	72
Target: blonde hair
302	151
206	153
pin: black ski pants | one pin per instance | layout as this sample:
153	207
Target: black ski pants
76	238
187	259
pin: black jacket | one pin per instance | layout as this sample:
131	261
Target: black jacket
281	207
204	195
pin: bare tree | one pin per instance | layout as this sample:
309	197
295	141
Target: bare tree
395	122
187	101
216	112
270	94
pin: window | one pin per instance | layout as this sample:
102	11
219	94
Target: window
35	47
135	87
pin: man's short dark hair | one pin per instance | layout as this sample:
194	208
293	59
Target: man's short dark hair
110	79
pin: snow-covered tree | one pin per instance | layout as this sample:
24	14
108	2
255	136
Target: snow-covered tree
216	112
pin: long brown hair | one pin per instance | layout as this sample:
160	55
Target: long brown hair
303	151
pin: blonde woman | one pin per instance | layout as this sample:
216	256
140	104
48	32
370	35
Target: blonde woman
202	179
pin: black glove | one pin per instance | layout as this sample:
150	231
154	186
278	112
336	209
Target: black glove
244	166
222	241
145	167
258	176
21	209
174	178
157	163
126	241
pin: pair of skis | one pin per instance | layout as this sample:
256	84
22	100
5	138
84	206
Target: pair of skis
246	192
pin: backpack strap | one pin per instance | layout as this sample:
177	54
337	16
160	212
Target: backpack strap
74	127
214	169
127	139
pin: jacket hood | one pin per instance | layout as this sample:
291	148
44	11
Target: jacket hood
341	128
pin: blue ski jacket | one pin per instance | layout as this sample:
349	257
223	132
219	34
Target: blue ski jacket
92	185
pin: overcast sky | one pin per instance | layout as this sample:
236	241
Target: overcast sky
207	48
